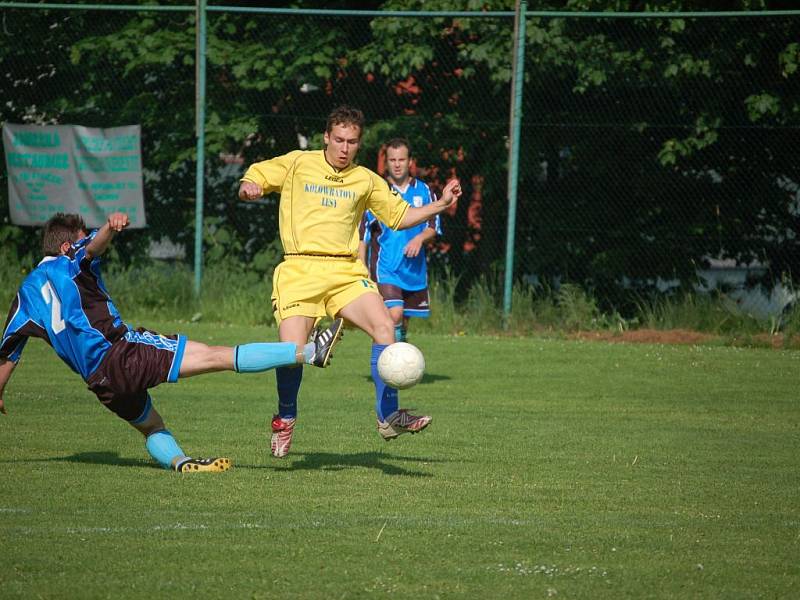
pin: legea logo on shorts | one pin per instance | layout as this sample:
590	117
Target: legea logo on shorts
293	305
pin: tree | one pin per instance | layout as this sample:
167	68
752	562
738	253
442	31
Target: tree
648	145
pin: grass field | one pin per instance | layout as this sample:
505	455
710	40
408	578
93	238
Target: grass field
552	469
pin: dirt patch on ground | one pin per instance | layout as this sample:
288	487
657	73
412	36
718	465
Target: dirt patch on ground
649	336
687	336
777	341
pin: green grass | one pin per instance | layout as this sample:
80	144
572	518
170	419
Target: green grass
552	469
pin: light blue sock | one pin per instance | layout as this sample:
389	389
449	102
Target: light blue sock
257	357
163	448
399	333
288	387
308	352
386	401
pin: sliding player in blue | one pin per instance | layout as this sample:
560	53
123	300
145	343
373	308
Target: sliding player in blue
64	301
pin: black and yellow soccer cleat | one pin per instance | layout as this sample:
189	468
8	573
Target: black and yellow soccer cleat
203	465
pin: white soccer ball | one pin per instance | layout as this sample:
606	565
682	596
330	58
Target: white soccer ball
401	365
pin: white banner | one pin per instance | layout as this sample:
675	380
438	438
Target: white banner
73	169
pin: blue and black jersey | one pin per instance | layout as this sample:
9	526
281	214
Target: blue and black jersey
64	302
388	265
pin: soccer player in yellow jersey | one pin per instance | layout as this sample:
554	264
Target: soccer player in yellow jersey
323	196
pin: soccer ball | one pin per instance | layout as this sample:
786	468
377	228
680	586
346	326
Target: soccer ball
401	365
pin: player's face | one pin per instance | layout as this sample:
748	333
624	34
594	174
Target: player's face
341	144
398	161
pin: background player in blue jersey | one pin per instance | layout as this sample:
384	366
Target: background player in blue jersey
396	259
64	301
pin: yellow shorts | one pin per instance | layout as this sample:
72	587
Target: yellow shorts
311	286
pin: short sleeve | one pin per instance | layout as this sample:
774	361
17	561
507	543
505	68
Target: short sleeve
270	174
434	222
14	338
385	203
363	230
77	254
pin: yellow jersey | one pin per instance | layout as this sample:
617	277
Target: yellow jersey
321	206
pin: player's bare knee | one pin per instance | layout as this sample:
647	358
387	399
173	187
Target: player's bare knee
383	332
221	356
202	358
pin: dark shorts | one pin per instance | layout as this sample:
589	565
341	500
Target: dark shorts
135	363
415	303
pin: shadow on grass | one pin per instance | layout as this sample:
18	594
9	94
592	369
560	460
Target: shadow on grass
426	378
309	461
328	461
99	458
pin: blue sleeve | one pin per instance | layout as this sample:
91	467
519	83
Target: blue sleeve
437	225
435	222
366	222
77	254
78	249
16	347
14	336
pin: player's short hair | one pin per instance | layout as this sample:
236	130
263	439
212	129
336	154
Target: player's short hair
60	228
399	142
345	115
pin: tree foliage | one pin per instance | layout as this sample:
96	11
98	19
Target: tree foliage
648	146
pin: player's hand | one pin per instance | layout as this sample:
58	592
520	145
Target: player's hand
451	192
250	191
118	221
412	248
2	406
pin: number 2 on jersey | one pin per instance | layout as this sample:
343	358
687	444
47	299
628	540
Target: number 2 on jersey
49	295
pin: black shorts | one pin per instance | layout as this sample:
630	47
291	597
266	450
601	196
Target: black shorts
138	361
415	303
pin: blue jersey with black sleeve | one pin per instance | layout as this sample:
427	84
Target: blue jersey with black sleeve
64	301
391	265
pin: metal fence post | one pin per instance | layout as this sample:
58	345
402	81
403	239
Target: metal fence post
200	133
515	116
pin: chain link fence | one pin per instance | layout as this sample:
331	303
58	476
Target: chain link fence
653	148
663	151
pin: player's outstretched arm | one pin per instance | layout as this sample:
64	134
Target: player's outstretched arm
417	214
6	368
115	223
